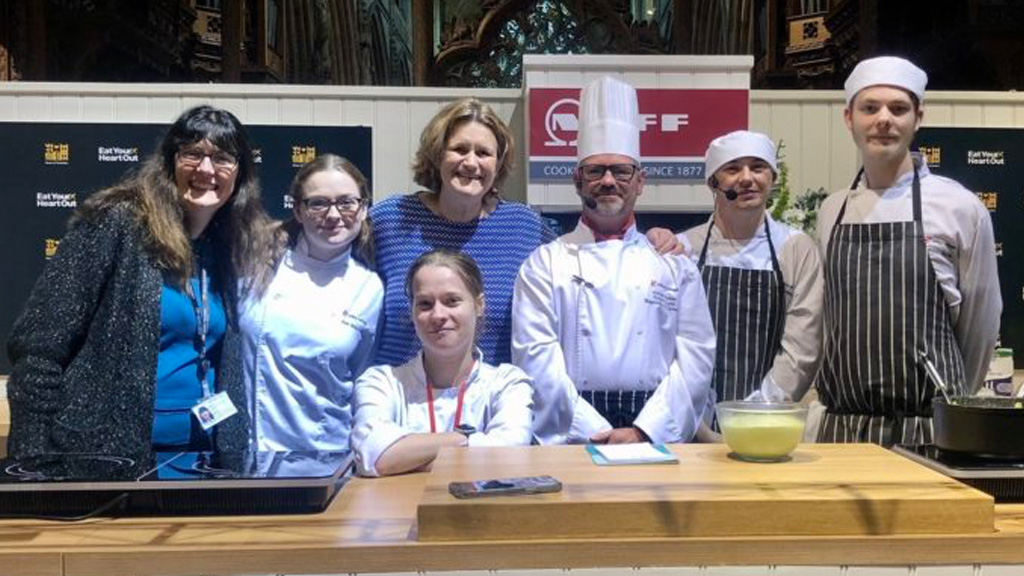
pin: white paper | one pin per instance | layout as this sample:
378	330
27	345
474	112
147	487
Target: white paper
640	452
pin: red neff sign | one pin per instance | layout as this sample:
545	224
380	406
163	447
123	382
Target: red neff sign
678	125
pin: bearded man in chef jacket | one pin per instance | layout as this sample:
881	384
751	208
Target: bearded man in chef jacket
618	339
910	273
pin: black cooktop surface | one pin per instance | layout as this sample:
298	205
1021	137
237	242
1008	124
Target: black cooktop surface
1002	479
72	486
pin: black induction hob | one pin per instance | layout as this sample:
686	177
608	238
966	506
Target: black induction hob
1002	479
76	486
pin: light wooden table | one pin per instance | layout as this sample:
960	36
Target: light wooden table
371	527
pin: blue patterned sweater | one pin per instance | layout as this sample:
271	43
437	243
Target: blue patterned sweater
404	229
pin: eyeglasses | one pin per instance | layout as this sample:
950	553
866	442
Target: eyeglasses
321	206
193	157
621	172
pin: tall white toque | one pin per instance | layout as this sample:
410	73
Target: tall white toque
609	120
886	71
739	144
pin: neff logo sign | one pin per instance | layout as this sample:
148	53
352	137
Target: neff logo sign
561	122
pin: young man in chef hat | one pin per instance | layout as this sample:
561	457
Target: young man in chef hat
763	278
910	272
618	339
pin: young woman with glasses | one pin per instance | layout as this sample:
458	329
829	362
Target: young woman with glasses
447	395
311	334
131	330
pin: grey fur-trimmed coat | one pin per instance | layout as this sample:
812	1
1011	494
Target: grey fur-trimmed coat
84	350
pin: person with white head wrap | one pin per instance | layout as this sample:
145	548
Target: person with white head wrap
762	277
910	269
618	339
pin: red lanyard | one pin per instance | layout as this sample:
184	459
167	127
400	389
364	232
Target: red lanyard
458	405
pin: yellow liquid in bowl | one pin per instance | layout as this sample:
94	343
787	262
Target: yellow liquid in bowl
762	436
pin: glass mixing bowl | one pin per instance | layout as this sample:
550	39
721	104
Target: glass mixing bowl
761	431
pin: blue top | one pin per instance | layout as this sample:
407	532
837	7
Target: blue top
178	386
404	228
304	343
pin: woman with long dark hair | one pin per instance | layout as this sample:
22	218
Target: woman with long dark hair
131	330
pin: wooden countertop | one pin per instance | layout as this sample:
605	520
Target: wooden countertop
371	527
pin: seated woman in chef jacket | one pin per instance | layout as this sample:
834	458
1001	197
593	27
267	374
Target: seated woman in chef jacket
447	395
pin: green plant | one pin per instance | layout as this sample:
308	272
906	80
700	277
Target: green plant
800	212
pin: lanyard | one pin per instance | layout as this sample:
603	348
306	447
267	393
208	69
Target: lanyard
458	405
201	306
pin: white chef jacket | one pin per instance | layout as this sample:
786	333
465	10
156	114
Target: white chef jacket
797	363
612	315
961	247
304	343
391	403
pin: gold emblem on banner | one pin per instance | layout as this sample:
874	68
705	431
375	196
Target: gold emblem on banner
932	155
302	155
56	153
50	247
989	199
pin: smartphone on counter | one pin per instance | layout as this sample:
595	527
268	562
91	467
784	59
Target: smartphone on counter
504	486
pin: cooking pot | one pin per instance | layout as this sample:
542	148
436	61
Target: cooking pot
988	427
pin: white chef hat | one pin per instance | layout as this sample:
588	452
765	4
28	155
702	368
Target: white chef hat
886	71
739	144
609	120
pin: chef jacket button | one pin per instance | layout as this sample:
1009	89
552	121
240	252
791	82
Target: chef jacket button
585	332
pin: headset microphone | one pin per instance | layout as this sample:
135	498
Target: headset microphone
590	202
731	194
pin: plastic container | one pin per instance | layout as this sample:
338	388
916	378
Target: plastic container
999	378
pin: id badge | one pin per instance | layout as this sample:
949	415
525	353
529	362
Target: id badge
214	410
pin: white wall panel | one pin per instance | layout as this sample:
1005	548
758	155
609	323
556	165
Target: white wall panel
391	138
66	108
358	113
968	115
165	109
327	112
263	111
998	115
938	114
98	108
131	109
233	105
297	112
34	108
8	107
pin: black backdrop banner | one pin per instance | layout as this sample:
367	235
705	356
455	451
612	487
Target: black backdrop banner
48	169
990	162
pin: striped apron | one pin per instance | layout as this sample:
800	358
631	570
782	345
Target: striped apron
619	407
748	308
883	304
